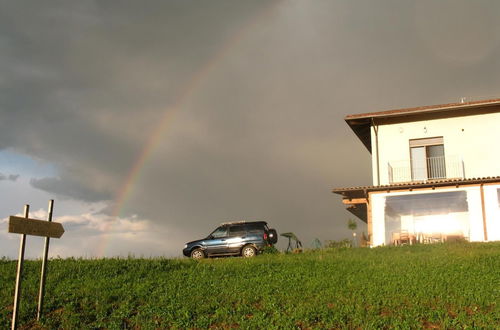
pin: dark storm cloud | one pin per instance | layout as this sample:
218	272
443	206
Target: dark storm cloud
83	84
261	133
69	188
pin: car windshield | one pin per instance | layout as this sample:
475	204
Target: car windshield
219	232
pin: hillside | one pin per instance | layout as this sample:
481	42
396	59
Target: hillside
443	286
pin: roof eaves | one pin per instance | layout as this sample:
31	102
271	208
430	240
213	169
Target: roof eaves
424	109
420	184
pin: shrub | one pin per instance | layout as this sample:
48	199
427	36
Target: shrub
270	250
345	243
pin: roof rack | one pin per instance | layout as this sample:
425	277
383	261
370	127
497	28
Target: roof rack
236	222
233	222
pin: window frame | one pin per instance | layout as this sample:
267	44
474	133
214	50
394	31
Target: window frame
426	143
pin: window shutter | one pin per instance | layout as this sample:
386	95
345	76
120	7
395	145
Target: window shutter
426	142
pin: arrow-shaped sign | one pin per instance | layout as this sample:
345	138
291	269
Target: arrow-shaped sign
35	227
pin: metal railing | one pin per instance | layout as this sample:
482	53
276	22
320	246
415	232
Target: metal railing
432	168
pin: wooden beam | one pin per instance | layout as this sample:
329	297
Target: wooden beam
483	208
452	185
355	201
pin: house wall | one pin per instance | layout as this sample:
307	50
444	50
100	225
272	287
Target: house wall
471	139
469	221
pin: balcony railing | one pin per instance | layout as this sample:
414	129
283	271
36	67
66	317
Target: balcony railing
431	168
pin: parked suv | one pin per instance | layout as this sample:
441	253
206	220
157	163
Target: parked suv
233	238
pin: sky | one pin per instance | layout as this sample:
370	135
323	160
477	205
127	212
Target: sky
150	123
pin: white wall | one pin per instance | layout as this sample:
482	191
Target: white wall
475	214
471	138
377	202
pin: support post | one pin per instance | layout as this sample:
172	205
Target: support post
483	208
375	129
17	293
44	265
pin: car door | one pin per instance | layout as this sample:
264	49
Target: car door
216	242
255	233
236	239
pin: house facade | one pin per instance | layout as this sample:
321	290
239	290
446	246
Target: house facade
436	173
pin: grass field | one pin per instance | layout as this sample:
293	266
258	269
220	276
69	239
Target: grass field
438	286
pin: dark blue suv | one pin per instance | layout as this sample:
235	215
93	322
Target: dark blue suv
233	238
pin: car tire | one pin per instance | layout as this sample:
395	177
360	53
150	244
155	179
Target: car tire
197	254
248	251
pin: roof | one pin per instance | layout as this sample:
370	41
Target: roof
361	123
356	192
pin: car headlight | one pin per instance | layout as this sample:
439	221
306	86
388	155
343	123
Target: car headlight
185	245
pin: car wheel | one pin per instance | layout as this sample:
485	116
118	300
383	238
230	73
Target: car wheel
197	254
248	251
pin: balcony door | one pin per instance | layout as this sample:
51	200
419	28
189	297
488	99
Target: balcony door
427	159
418	164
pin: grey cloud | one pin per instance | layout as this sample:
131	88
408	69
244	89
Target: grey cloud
70	188
13	177
10	177
259	89
87	89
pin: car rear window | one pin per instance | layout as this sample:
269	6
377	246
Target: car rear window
255	228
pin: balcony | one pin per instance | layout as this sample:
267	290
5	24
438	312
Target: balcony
430	168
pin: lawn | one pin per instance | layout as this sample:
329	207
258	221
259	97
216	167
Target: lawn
430	286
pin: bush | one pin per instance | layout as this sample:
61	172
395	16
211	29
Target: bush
270	250
345	243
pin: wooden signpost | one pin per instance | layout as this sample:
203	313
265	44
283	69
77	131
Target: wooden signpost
26	226
18	225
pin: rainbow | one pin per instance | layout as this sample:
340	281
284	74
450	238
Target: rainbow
168	117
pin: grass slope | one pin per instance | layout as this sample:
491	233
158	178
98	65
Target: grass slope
438	286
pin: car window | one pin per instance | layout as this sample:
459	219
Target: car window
237	231
219	232
255	228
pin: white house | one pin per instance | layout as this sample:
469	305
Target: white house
436	173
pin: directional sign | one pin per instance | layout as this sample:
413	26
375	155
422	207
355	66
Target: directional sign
35	227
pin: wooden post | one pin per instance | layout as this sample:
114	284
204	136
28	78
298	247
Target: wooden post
44	265
483	208
17	293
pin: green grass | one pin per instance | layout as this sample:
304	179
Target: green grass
445	286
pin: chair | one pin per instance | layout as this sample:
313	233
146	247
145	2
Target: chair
426	238
395	238
404	237
298	243
436	238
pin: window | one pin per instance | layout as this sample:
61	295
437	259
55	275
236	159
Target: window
498	195
255	228
427	217
219	232
427	159
237	231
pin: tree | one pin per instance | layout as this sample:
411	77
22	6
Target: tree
352	225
